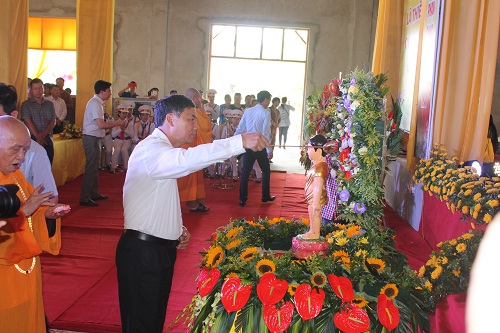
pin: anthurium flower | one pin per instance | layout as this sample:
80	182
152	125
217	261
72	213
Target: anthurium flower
351	319
388	313
207	279
342	287
278	320
234	296
270	289
308	301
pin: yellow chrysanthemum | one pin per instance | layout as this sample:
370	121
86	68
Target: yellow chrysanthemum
340	226
340	254
461	247
256	225
376	263
346	261
477	207
318	279
341	241
214	256
439	244
487	218
363	240
468	192
456	272
475	214
233	244
493	203
305	221
428	285
432	262
453	242
444	260
360	302
249	254
421	272
465	210
390	290
265	266
477	196
231	234
436	272
467	236
291	288
361	253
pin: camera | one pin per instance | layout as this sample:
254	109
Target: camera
9	202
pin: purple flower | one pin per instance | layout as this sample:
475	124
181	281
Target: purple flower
359	208
347	104
348	126
344	195
353	81
339	107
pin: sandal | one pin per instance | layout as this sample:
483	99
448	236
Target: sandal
200	209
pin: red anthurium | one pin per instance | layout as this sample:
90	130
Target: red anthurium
344	154
278	320
393	127
234	296
342	287
351	319
207	280
308	301
390	115
270	289
325	87
388	313
347	175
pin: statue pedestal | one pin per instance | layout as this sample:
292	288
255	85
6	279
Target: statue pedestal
305	248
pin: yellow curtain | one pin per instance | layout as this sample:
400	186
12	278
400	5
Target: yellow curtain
95	20
14	45
466	76
387	46
52	33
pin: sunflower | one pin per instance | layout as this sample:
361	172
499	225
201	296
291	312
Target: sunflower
231	234
437	272
346	261
376	263
360	302
318	279
214	256
390	290
291	288
256	225
265	266
230	275
354	230
249	253
340	254
233	244
461	247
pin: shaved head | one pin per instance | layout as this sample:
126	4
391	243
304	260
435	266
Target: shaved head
14	142
194	95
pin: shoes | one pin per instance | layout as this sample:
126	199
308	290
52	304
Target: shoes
113	171
90	203
271	198
99	197
243	203
258	181
270	161
235	179
200	209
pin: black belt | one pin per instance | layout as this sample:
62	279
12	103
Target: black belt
150	239
126	138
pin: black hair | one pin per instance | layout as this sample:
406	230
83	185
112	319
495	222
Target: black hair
284	99
173	91
151	90
171	104
262	95
275	99
101	85
34	81
8	98
318	141
60	78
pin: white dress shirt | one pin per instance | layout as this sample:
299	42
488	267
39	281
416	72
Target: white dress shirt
93	111
256	119
59	107
37	170
150	194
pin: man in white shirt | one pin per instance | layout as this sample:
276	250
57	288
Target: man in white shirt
284	110
147	250
122	136
59	107
257	119
94	129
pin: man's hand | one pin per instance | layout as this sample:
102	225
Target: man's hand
255	141
59	212
270	155
119	122
36	200
184	239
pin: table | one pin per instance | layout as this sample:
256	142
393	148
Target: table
69	160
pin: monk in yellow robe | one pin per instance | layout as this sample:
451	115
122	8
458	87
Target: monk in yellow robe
23	237
192	186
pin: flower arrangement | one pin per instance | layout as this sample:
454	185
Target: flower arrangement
361	284
71	131
351	113
450	181
448	271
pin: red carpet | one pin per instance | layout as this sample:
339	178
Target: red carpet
79	285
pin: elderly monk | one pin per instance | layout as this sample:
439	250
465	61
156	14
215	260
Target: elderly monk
192	187
23	238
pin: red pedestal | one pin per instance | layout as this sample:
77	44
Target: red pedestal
304	248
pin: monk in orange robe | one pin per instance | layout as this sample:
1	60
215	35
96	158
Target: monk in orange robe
23	238
192	186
